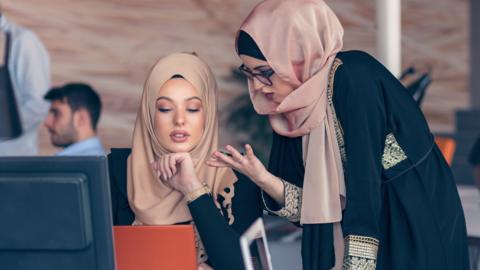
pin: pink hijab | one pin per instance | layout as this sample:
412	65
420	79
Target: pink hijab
300	39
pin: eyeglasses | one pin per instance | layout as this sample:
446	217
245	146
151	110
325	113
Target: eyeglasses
263	75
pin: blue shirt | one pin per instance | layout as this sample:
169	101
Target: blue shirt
89	147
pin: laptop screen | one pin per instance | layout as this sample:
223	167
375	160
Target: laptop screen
254	241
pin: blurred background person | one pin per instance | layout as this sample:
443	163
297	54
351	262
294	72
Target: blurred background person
25	72
72	120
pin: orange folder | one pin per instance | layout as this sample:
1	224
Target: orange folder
169	247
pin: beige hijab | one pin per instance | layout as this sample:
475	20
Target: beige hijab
153	202
300	39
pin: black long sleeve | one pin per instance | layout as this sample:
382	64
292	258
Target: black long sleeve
221	240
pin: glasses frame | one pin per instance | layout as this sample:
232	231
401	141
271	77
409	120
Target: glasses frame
261	76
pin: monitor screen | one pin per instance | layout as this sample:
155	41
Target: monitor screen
55	214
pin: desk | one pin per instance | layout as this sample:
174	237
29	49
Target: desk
470	197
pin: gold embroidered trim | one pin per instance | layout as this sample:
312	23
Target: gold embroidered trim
192	196
338	127
355	263
360	253
227	203
201	252
361	246
293	203
392	153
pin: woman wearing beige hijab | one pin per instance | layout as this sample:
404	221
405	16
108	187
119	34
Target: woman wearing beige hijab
168	182
353	160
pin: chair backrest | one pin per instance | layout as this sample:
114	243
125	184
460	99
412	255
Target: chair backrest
417	87
447	146
155	247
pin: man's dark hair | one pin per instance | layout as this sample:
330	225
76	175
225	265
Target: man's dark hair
78	96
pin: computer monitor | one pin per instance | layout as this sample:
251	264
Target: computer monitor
55	214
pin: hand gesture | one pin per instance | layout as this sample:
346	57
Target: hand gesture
247	164
177	171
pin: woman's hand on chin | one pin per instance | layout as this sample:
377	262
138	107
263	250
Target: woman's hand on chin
177	171
247	164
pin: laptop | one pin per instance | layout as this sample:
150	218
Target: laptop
155	247
254	246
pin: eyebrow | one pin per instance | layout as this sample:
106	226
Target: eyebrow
171	100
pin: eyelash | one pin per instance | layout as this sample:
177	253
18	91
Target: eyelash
189	110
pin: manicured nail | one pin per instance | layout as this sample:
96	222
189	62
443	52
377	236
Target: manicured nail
225	153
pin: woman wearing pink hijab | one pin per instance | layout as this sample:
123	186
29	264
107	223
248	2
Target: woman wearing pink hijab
353	160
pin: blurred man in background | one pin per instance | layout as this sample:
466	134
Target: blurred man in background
72	120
